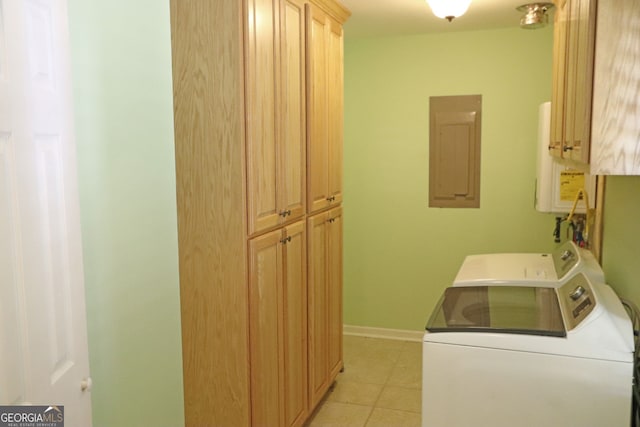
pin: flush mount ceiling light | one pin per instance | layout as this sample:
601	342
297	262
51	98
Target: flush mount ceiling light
449	9
535	15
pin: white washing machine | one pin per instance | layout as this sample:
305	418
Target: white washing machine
505	356
544	269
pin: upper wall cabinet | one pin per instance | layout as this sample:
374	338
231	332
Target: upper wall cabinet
574	35
276	131
616	90
325	115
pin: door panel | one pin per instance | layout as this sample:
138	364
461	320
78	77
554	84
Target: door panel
335	111
318	334
55	272
295	325
584	29
318	146
44	356
334	290
293	144
557	139
12	325
265	294
262	98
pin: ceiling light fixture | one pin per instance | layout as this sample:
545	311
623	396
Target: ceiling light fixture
449	9
535	15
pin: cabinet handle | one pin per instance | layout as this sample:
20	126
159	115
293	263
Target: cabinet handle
285	240
285	213
566	148
331	199
331	220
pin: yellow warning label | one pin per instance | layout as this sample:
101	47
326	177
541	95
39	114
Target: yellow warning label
571	181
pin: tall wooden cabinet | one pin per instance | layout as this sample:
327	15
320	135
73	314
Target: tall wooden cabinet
243	121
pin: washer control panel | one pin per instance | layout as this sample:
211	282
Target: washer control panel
577	300
565	258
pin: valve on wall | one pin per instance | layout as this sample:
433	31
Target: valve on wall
578	224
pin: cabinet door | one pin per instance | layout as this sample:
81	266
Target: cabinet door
278	327
265	328
325	301
318	137
335	94
574	35
262	99
556	141
318	315
580	79
571	72
334	289
295	325
325	114
292	173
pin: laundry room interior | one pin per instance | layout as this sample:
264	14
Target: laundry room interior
399	253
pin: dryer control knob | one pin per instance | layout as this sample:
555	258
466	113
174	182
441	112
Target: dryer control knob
577	293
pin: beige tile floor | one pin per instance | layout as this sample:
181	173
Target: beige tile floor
380	386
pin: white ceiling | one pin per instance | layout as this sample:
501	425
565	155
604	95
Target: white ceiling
403	17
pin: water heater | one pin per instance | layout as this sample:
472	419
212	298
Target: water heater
557	181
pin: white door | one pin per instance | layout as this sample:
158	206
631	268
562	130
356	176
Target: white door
43	338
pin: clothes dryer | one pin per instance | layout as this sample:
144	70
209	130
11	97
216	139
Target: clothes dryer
543	269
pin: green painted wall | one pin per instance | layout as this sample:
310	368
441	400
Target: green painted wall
399	253
121	65
621	237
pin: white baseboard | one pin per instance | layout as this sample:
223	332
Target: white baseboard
390	334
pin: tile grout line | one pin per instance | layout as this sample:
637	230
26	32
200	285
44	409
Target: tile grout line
386	382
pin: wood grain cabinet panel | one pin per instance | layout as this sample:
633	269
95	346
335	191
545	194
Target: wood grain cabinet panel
325	301
266	329
583	15
334	292
325	114
209	128
293	111
318	315
335	122
276	113
574	36
296	403
278	333
616	109
556	140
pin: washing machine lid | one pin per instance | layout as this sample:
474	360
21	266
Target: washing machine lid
533	269
530	310
507	268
